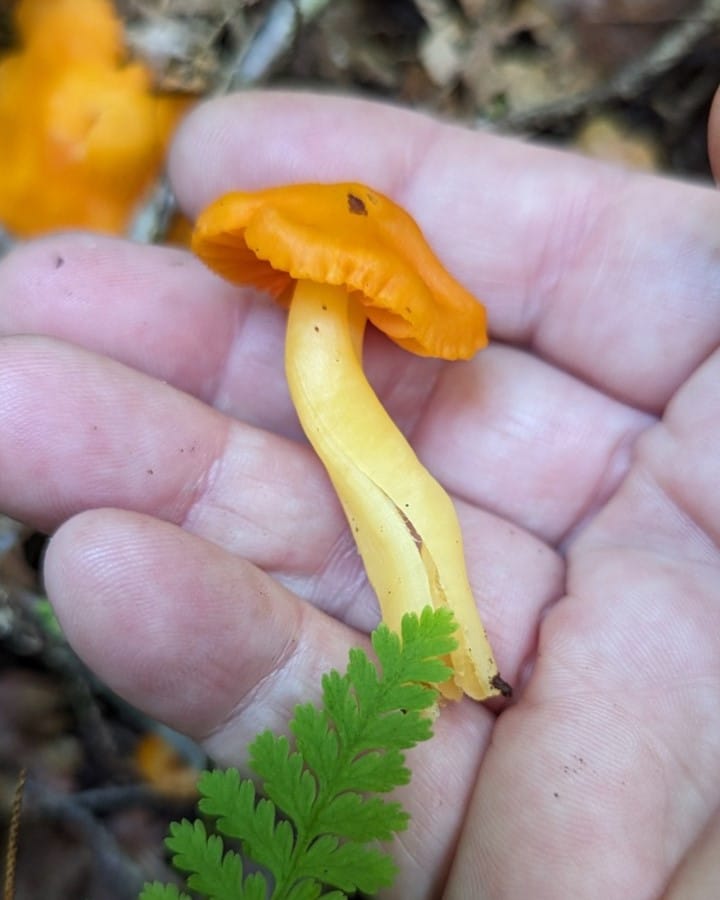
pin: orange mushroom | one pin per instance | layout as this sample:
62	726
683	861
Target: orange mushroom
82	131
340	254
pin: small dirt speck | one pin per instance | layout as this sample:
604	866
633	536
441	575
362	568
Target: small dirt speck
356	205
501	685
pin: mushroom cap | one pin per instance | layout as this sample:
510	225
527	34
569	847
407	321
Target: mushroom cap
349	235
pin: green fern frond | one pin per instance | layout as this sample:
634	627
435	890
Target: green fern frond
314	830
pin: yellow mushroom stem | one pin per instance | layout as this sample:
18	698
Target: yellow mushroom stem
403	522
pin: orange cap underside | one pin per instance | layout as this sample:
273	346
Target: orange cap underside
344	234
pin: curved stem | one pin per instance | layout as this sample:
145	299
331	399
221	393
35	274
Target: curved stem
403	522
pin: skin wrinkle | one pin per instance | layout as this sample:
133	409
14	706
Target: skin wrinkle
619	461
414	862
482	386
341	555
674	475
653	453
311	582
89	440
690	803
241	348
191	493
213	388
698	870
685	807
221	512
686	521
208	483
406	384
562	250
265	686
702	530
416	884
294	678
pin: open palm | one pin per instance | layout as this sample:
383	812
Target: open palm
202	566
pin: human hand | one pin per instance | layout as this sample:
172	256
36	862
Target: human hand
201	564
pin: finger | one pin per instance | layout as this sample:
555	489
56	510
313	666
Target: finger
210	645
609	274
171	622
80	431
158	310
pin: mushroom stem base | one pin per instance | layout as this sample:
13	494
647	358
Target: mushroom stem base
402	520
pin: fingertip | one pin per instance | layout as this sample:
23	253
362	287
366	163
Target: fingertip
161	615
153	308
184	630
256	139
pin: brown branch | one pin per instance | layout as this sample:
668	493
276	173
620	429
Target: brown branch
109	860
26	636
104	801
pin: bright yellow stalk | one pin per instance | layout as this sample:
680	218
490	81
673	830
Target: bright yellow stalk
403	522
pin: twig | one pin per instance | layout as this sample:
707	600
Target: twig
24	635
7	242
83	813
253	64
629	81
11	851
275	36
111	863
152	220
104	801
